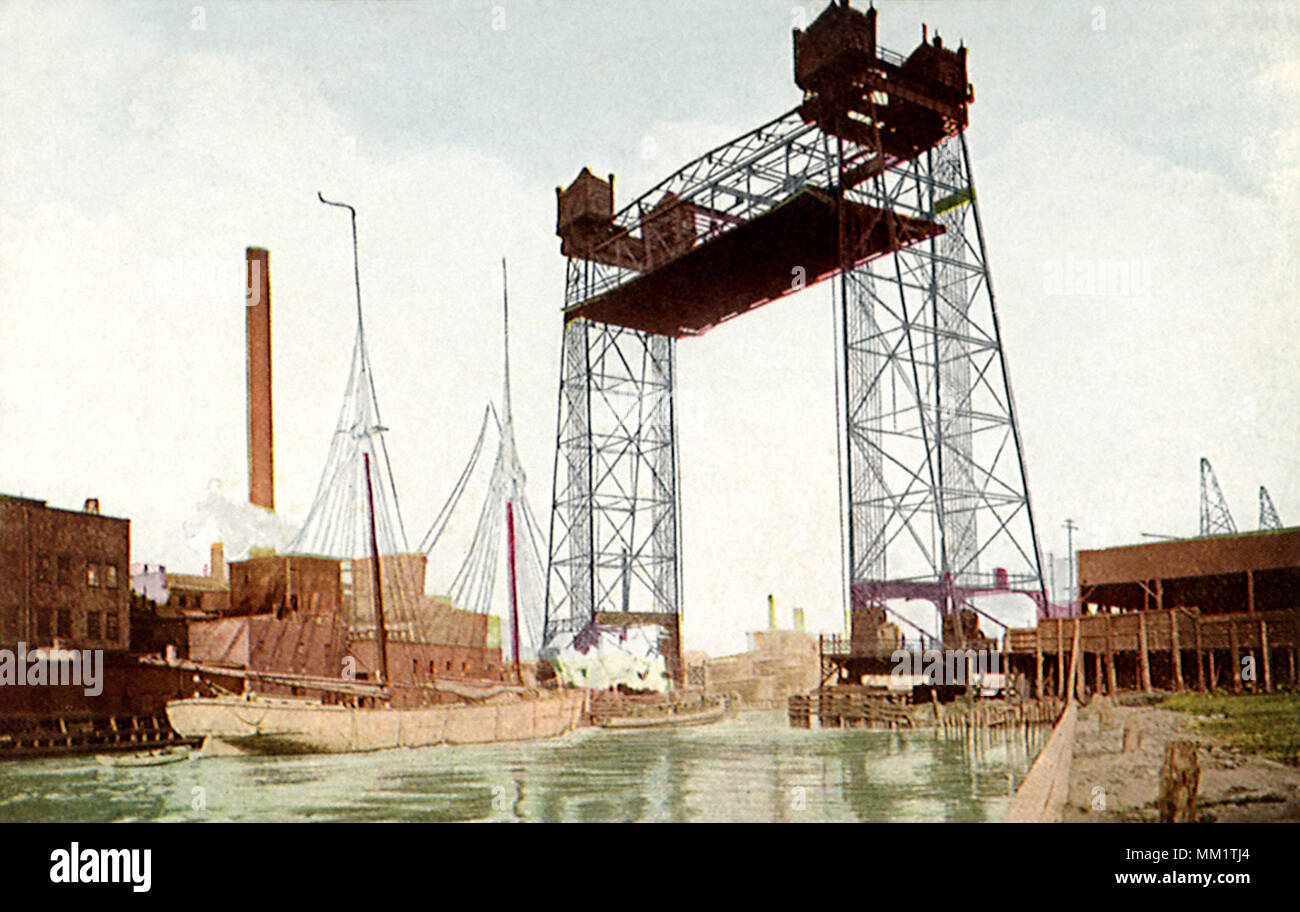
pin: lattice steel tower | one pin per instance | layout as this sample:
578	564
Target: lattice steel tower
1268	518
869	179
1216	519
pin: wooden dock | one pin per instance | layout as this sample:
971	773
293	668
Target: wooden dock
80	734
1171	649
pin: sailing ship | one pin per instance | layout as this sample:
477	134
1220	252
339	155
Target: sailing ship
377	710
366	719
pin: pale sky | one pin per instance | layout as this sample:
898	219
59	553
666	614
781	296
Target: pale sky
146	145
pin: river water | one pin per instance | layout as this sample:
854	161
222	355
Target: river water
749	768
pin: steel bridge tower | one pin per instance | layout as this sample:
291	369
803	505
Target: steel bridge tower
869	180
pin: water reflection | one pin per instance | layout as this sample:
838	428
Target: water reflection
751	768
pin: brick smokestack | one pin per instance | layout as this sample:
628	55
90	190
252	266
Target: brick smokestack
219	570
261	465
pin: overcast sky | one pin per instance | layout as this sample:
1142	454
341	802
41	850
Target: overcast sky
146	145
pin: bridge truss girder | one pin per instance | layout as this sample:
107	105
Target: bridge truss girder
934	470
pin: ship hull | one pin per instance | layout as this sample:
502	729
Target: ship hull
668	715
705	717
275	725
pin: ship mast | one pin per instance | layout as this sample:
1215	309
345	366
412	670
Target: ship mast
508	434
369	433
381	631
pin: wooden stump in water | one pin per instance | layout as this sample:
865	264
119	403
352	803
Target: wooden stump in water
1179	778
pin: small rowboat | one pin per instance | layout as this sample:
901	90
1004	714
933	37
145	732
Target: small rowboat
667	715
159	757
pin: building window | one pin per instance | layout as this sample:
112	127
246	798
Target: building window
110	626
92	574
94	625
110	576
62	622
44	625
65	570
43	568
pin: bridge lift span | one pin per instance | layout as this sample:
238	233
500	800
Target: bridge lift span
867	181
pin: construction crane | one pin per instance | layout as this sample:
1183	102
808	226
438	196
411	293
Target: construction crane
1268	518
1215	518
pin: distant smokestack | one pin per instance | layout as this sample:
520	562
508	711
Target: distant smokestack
219	562
261	464
771	613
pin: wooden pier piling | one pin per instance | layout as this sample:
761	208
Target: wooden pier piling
1150	651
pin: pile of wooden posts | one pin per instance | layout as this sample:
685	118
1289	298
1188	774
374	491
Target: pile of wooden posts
998	714
849	707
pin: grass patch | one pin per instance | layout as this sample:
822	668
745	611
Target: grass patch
1267	724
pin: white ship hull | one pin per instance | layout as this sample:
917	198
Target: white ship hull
288	725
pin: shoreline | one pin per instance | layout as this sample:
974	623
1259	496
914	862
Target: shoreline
1107	785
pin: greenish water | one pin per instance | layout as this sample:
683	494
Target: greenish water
749	768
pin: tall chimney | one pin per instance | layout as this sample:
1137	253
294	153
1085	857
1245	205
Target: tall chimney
261	466
218	570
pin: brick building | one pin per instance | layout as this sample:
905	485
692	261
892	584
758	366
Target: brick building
307	615
64	575
286	583
200	595
281	613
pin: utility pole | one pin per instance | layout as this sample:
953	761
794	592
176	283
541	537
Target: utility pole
1051	574
1072	584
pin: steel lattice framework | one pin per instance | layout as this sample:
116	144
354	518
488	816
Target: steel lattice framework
1216	519
1268	518
614	533
935	486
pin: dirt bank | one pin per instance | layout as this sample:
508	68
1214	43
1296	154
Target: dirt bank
1107	785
